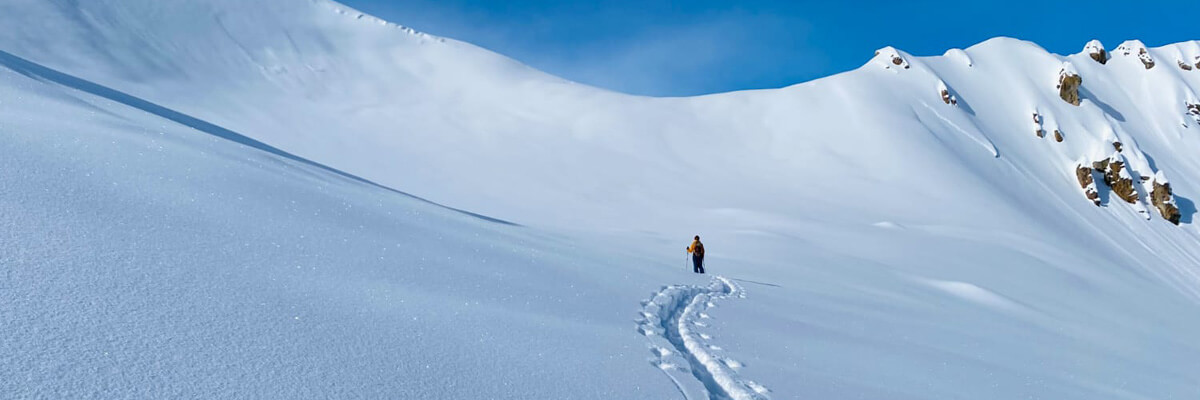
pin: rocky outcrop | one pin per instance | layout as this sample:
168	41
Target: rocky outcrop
1095	50
1117	177
1193	110
891	58
1131	47
1144	56
1114	175
1184	66
1114	171
1083	173
1163	200
1068	84
947	97
1037	125
1058	136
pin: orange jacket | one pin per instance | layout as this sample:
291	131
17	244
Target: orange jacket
696	248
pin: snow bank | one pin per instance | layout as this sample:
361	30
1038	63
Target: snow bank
961	56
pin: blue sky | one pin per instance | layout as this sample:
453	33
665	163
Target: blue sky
675	48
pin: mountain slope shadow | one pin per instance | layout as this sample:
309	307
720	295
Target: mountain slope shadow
42	73
1085	94
1187	209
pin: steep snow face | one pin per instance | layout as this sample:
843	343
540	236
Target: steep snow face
891	243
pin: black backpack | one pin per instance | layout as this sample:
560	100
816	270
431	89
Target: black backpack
699	251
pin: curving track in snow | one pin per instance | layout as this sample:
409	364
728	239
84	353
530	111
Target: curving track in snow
670	319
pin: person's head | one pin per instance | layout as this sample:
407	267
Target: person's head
697	237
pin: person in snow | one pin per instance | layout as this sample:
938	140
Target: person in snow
697	252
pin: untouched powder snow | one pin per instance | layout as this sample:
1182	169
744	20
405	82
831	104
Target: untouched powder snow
146	254
203	199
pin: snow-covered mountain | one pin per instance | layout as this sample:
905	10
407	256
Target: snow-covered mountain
202	199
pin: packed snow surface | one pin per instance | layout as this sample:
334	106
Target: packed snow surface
292	199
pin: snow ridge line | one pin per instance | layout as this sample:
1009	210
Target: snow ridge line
670	319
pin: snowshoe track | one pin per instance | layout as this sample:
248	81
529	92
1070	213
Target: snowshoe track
671	318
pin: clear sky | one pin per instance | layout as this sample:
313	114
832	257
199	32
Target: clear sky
673	48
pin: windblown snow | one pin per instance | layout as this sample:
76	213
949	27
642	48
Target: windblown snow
292	199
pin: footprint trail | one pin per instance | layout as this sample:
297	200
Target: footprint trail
671	318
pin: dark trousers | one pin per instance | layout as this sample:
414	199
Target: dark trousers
698	264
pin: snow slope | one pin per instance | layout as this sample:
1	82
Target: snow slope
149	255
890	245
